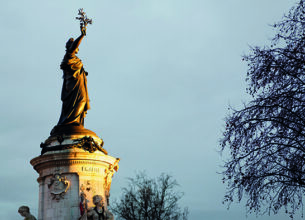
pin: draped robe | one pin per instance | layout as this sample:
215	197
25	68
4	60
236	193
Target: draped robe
74	95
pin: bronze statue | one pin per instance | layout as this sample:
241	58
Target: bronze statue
100	211
24	211
83	206
74	95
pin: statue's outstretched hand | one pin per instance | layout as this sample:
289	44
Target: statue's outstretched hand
83	30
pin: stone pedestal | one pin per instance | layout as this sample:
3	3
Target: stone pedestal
66	170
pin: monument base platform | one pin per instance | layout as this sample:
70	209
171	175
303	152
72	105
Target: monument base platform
83	139
66	175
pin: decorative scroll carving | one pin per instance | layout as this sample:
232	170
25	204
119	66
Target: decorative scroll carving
108	177
58	186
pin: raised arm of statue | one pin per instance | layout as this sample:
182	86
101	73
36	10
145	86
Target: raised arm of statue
77	42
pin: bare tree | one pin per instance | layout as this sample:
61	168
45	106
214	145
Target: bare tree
150	199
266	138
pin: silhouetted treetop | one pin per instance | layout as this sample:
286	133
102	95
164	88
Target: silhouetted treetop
150	199
266	138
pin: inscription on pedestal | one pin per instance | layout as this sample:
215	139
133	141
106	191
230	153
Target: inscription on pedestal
91	169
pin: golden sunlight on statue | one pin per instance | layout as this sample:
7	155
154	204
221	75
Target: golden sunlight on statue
74	94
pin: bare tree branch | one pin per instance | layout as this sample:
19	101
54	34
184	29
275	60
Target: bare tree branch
266	139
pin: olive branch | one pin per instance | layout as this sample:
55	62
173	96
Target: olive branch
84	21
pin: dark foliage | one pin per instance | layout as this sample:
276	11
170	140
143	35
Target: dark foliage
150	199
266	139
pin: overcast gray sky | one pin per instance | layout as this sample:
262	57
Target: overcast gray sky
161	76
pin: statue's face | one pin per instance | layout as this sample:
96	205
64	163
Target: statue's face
101	203
22	213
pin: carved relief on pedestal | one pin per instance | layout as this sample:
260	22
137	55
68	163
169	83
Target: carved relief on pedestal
87	186
108	178
58	186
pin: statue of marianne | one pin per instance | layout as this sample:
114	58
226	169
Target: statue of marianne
74	95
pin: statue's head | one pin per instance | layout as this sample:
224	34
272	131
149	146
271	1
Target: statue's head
24	211
69	43
98	200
